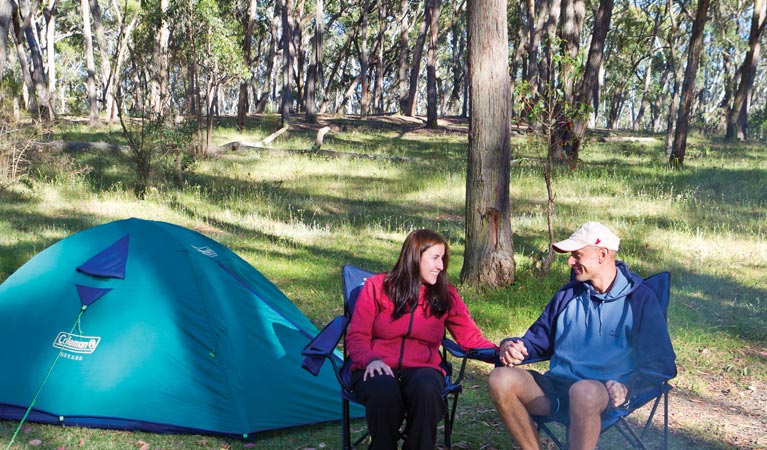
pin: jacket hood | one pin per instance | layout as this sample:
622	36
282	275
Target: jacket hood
633	280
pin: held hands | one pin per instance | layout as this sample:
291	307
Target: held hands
513	353
617	392
377	367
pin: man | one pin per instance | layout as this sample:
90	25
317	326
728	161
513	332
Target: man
606	338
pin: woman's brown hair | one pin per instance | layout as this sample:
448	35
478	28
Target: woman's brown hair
403	282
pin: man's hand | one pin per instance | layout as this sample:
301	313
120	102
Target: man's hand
617	392
377	367
513	353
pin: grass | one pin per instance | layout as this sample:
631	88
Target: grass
297	218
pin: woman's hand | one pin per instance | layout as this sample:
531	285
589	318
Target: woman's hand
513	353
377	367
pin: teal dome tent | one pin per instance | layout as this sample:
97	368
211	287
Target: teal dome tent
146	325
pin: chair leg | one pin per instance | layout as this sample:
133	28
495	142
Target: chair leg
449	418
345	426
665	420
551	435
629	434
650	417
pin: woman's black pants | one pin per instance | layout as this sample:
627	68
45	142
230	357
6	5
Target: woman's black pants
412	393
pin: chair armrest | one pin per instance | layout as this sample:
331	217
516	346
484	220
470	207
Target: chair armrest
482	354
489	355
323	346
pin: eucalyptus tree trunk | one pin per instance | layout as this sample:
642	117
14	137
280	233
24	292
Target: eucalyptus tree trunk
378	88
50	49
159	80
351	34
6	10
573	12
287	62
29	98
644	101
93	117
243	103
457	47
737	117
531	67
263	98
415	69
657	104
489	254
297	52
676	159
547	61
27	32
126	33
728	83
676	70
591	74
107	96
572	29
404	48
365	90
315	67
431	64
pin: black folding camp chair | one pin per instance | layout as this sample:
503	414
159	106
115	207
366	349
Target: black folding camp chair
660	283
324	347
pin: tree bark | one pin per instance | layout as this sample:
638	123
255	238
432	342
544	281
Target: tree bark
159	79
315	67
457	33
489	254
28	94
676	159
50	49
263	99
737	117
297	53
547	63
378	88
415	69
287	62
431	65
365	90
5	27
676	71
107	96
573	12
645	100
93	117
243	103
591	74
572	29
27	32
404	49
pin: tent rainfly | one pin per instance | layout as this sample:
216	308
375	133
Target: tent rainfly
145	325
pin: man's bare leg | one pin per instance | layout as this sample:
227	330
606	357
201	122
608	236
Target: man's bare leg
588	399
516	396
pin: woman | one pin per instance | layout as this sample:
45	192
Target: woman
396	330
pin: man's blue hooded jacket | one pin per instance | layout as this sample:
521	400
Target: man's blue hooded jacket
621	337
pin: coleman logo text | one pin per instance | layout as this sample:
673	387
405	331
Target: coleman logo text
75	343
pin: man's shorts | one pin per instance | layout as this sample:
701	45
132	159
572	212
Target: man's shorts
558	393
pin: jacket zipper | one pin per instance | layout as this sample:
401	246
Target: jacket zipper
409	330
